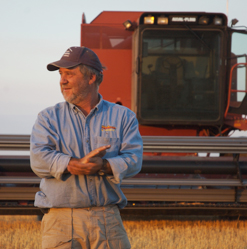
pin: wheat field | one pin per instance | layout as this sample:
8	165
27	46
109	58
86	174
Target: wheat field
23	232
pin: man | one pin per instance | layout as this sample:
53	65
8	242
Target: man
82	149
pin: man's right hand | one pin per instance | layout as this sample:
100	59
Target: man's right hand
90	164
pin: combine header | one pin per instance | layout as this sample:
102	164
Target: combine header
184	75
166	185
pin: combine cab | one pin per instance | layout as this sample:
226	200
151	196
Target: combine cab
184	75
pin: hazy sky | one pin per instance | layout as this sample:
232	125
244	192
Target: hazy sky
35	33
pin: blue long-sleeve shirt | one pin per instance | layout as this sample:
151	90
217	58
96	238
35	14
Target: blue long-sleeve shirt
62	132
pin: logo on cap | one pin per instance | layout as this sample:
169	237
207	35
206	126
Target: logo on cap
67	53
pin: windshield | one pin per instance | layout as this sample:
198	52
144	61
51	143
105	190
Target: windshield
179	75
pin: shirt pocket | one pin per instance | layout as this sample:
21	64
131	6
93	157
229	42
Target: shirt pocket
113	141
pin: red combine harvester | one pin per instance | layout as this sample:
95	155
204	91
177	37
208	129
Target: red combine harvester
184	75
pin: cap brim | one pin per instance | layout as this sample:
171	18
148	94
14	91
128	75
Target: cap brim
61	63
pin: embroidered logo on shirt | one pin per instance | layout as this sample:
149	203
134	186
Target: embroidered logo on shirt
108	128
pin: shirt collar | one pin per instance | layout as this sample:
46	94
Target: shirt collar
96	108
100	103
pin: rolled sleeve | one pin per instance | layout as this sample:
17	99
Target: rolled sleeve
129	161
46	159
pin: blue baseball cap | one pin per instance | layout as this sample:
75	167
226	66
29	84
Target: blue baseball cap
75	56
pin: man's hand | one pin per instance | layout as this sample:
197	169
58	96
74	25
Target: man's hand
99	152
88	165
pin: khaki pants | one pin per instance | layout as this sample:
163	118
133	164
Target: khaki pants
79	228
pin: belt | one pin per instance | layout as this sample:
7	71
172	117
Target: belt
47	210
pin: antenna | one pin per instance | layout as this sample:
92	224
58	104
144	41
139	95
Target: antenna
227	5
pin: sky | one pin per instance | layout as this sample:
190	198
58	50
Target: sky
34	33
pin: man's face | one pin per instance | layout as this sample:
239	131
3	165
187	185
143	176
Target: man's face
74	85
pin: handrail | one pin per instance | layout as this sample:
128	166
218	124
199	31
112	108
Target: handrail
230	87
156	144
